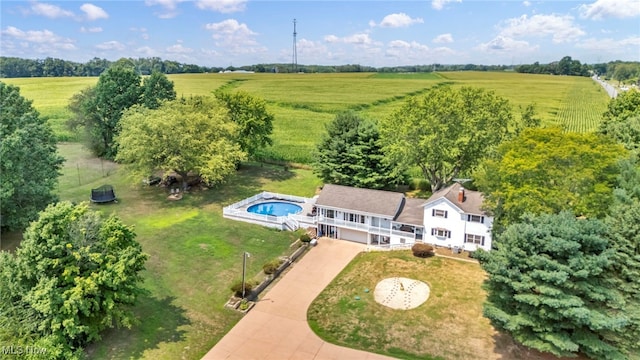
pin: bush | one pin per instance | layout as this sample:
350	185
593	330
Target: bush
271	267
248	286
423	250
305	238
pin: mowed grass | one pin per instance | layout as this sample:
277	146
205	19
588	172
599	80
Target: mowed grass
195	254
449	325
304	103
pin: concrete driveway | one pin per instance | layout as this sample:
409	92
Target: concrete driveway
276	328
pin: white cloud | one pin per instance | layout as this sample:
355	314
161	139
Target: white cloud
406	52
223	6
331	39
439	4
42	42
561	28
526	3
237	37
170	7
146	51
358	39
602	9
93	12
506	45
609	45
44	36
91	29
50	11
111	45
178	49
354	39
443	39
396	21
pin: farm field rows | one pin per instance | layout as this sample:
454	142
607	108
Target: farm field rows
304	103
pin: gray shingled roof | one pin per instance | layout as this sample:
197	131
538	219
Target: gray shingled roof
472	200
412	212
377	202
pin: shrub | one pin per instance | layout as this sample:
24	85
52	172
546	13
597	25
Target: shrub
271	267
248	286
305	238
423	250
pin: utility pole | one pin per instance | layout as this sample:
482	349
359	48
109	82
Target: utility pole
294	60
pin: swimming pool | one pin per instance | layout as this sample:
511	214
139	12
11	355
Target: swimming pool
275	208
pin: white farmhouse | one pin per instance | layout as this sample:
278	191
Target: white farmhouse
452	217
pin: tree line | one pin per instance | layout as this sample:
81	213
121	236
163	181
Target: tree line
12	67
622	71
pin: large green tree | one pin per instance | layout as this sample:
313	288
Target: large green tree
621	121
193	135
75	274
350	153
99	109
29	162
547	171
548	287
255	122
155	89
446	131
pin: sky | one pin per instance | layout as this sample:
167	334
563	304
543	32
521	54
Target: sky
374	33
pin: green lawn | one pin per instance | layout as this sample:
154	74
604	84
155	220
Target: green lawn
449	325
304	103
195	254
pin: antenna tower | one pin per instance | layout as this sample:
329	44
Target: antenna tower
294	62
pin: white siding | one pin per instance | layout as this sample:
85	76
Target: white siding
458	226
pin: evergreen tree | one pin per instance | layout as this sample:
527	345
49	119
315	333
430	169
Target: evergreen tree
548	286
29	162
350	154
624	234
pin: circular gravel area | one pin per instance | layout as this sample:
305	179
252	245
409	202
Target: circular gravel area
401	293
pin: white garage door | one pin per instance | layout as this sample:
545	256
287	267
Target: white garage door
353	235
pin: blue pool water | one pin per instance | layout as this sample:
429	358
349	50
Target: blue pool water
275	208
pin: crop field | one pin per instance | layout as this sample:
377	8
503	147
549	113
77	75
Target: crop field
304	103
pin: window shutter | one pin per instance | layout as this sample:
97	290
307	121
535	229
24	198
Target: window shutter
482	241
445	214
433	231
433	213
449	234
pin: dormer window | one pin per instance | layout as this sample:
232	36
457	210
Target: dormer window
475	218
439	213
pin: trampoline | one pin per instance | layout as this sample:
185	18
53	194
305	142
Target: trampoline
103	194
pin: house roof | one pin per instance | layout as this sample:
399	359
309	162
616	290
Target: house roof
378	202
412	212
472	199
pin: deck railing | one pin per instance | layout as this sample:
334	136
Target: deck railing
235	209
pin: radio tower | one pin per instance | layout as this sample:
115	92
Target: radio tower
294	62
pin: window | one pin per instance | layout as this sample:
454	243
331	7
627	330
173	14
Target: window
439	232
330	214
439	213
475	218
474	239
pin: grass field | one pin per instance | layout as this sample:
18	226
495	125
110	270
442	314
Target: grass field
449	325
304	103
195	254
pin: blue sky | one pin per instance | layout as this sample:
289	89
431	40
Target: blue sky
375	33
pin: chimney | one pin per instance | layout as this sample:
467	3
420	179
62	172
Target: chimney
461	195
